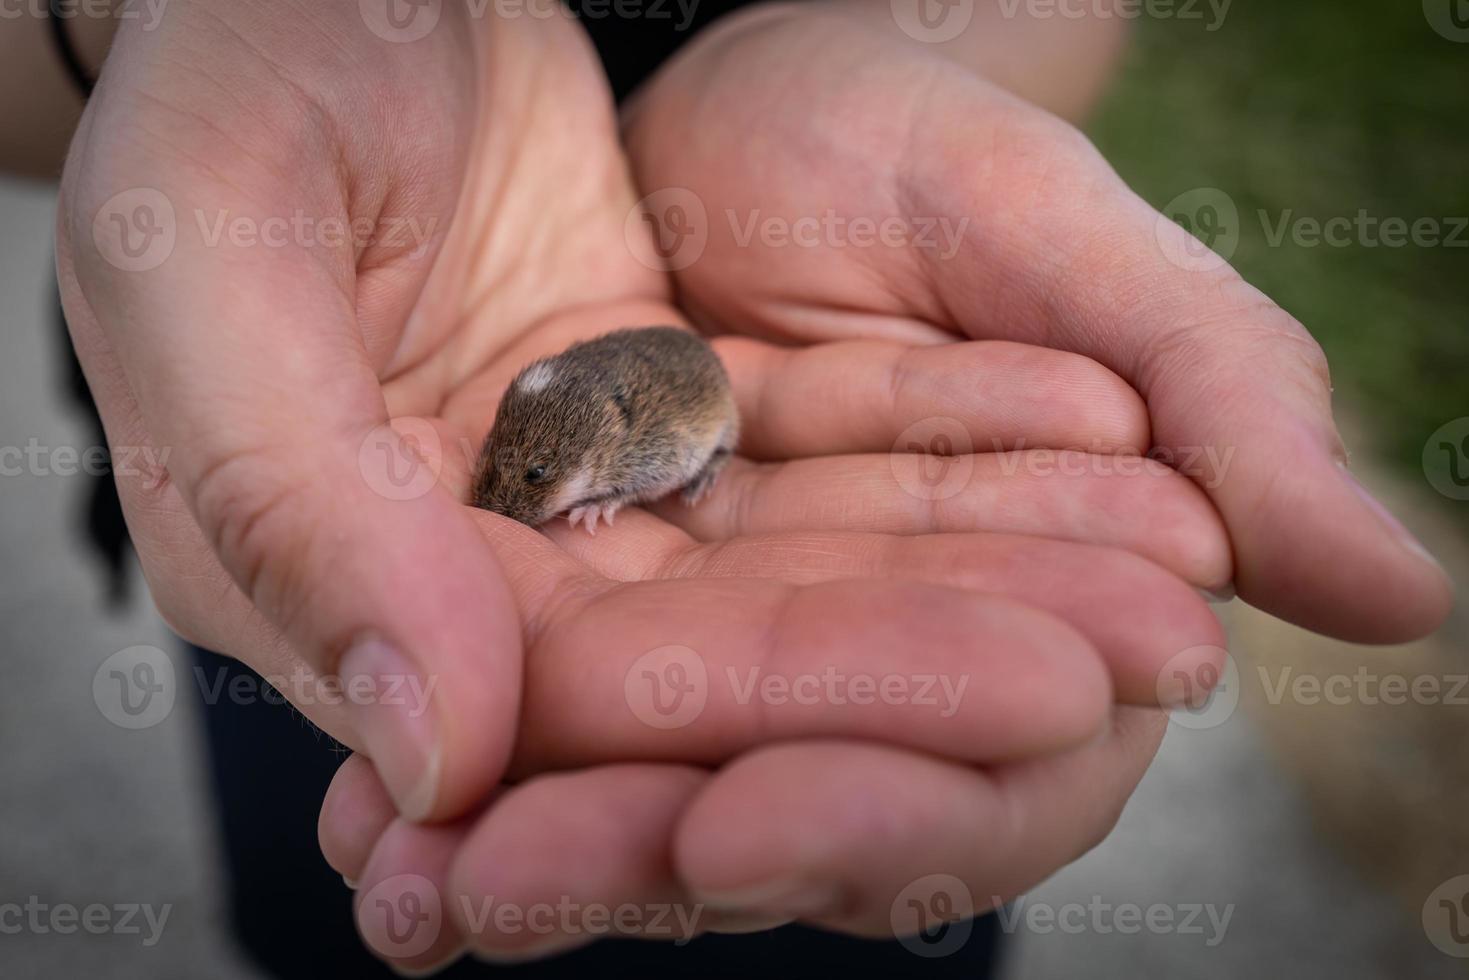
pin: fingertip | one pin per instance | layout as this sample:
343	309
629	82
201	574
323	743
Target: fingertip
1072	387
1189	536
354	814
1344	566
402	905
1078	685
574	842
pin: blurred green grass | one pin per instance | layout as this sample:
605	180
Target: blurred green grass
1321	109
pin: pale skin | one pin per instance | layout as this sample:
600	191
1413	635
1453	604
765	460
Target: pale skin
263	370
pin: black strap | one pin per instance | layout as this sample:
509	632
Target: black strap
84	80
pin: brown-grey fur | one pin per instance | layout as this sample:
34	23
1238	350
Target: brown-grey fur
637	409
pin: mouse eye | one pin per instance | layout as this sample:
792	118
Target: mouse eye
535	474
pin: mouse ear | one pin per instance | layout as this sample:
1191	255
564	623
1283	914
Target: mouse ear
535	376
623	402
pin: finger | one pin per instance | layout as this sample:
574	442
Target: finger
1127	502
1224	370
568	858
697	670
845	835
403	905
865	396
554	863
1147	625
354	814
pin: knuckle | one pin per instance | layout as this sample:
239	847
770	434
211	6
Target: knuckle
255	517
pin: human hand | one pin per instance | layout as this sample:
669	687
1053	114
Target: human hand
600	837
793	112
269	372
856	837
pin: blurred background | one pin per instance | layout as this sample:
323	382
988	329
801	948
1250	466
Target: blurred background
1306	834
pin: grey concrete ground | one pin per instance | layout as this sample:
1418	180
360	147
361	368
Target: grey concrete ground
91	813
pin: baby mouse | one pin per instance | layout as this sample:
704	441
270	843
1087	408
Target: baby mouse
622	419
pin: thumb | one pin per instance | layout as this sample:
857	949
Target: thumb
248	368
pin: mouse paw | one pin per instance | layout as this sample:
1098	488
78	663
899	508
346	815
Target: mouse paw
697	488
585	514
589	514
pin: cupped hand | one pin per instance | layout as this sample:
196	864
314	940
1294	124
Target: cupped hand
819	174
279	368
863	838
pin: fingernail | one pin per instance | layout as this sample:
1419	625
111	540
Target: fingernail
1222	594
349	883
400	737
782	897
1388	520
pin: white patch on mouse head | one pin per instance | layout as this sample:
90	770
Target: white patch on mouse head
577	488
536	377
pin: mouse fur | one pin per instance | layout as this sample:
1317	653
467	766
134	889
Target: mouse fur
622	419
